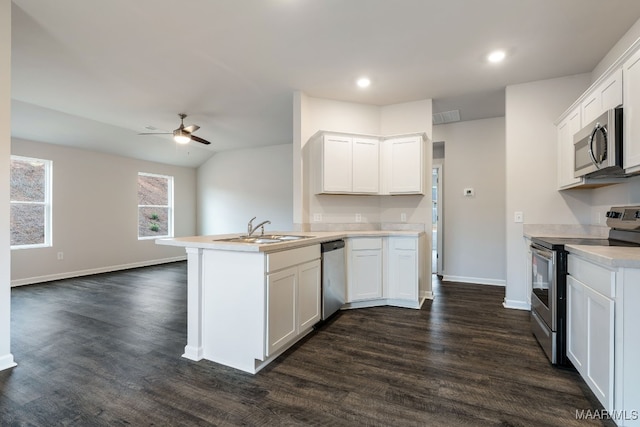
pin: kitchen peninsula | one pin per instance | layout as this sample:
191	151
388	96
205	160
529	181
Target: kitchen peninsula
249	300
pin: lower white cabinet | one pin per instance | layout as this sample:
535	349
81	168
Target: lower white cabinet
403	274
384	271
293	303
590	326
365	269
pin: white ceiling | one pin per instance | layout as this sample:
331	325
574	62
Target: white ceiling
93	74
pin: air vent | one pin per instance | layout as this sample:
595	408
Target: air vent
446	117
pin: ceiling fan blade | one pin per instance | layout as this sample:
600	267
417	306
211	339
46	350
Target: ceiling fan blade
192	128
200	140
155	133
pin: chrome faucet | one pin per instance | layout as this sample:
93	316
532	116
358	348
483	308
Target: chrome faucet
251	229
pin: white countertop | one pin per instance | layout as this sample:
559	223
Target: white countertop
315	237
611	256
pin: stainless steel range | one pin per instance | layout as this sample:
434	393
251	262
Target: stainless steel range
549	283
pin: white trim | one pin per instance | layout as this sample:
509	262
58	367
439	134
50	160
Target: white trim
70	274
516	305
193	353
474	280
7	362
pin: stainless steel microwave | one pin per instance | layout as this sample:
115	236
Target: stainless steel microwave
598	147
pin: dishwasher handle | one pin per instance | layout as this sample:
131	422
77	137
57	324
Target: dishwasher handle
332	246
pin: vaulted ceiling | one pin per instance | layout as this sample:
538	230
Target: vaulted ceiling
95	74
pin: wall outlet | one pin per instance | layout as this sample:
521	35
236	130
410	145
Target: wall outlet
469	192
60	255
358	217
403	217
518	217
317	217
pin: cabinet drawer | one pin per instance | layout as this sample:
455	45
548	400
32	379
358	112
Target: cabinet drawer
404	243
594	276
364	243
279	260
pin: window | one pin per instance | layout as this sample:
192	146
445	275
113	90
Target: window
30	202
155	206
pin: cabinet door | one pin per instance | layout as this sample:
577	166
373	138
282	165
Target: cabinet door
366	165
576	324
365	275
403	268
631	85
599	324
281	308
606	95
337	159
308	295
566	160
405	165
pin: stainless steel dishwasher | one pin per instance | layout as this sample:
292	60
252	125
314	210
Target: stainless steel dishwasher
333	277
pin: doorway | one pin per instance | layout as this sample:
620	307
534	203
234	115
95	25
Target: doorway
437	257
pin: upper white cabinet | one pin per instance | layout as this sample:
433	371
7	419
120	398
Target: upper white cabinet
403	169
606	95
631	140
566	160
350	164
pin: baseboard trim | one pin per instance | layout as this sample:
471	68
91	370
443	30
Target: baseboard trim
88	272
474	280
193	353
7	362
516	305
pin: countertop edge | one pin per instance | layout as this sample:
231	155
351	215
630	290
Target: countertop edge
610	256
213	241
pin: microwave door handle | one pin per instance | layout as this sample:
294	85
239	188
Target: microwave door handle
596	129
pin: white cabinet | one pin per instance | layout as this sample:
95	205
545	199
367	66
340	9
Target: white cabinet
403	270
606	95
365	269
590	326
348	165
566	160
631	75
385	271
293	296
404	165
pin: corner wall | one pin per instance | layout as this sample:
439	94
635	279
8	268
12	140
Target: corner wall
531	171
6	358
95	216
234	186
474	229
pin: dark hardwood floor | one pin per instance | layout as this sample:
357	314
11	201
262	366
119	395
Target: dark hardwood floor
105	350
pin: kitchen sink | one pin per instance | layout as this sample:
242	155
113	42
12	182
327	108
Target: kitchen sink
272	238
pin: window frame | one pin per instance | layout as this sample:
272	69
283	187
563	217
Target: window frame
47	203
169	206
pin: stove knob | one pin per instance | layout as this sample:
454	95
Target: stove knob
637	215
613	214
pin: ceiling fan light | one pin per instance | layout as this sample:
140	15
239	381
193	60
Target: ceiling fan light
181	137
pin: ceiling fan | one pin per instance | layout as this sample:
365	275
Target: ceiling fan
183	134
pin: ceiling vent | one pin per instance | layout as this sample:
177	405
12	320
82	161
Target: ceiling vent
446	117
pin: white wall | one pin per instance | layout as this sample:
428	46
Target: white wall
234	186
531	175
6	358
474	227
617	50
95	220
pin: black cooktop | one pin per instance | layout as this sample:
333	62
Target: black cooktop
557	243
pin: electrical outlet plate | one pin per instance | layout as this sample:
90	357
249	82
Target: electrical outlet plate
317	217
403	217
518	217
358	217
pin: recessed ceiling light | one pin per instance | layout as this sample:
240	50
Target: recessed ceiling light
363	82
496	56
